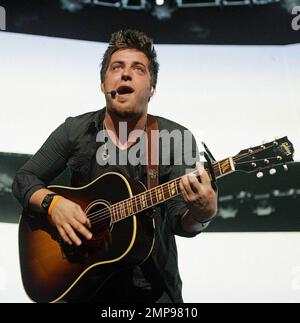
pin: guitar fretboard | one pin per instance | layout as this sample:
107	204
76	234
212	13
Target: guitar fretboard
161	193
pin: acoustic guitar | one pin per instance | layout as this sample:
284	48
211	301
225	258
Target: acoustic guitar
120	218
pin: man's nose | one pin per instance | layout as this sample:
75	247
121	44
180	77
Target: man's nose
126	76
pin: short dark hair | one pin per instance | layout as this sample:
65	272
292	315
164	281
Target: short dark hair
131	39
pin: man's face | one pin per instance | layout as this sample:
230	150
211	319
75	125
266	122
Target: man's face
129	75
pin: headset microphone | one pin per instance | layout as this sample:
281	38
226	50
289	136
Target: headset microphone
113	93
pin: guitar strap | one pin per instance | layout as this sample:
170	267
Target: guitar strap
152	152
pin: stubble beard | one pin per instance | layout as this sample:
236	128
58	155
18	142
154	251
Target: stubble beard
126	113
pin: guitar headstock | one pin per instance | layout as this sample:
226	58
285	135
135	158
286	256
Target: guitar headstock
269	155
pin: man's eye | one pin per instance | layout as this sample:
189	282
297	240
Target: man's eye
116	67
140	69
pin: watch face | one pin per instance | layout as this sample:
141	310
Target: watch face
47	200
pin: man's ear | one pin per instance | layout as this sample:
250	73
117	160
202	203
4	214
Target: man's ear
102	87
152	91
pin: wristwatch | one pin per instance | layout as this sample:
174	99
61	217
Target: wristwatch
47	201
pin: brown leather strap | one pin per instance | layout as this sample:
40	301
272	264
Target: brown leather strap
152	152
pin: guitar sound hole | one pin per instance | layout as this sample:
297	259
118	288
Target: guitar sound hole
100	219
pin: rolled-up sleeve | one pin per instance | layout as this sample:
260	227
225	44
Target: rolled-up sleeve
49	161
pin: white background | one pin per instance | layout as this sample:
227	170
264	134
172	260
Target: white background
229	96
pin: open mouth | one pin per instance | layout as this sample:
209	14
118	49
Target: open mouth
124	90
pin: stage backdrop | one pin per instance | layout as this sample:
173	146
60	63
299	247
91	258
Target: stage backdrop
231	97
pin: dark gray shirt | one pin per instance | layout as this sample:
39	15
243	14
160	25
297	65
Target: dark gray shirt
73	144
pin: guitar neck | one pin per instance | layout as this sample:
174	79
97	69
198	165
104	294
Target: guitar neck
162	193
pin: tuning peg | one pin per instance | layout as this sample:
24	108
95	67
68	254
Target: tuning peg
272	171
285	168
259	174
253	165
266	161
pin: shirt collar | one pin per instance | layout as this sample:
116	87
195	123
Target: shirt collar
97	122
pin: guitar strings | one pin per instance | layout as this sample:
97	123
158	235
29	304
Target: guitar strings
148	198
91	215
256	160
106	213
253	152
